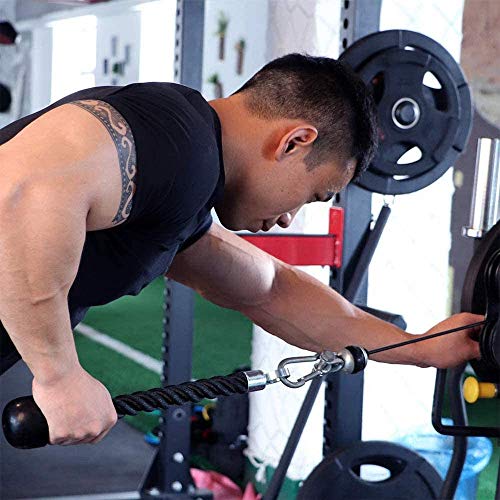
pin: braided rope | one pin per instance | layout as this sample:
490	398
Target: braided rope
177	395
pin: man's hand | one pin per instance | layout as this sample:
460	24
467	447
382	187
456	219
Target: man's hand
450	350
78	408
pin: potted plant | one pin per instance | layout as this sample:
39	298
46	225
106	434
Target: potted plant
214	80
240	49
222	24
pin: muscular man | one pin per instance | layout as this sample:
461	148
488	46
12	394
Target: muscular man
111	187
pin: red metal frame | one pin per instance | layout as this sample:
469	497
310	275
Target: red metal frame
306	249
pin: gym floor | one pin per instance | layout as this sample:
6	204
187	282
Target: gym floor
137	322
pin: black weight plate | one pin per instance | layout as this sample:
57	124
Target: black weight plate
491	344
444	125
435	130
335	478
481	295
473	297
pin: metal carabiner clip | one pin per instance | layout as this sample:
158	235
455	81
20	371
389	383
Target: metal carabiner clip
283	368
325	362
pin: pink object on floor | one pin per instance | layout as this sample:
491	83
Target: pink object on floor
222	487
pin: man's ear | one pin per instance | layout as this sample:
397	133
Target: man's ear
294	140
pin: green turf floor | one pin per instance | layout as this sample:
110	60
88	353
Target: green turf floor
222	343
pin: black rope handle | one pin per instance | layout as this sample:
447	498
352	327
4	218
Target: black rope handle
177	395
25	426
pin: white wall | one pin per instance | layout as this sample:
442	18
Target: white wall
248	21
77	61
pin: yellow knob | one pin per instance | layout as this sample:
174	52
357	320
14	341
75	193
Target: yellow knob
474	390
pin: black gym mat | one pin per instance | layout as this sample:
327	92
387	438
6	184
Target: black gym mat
116	464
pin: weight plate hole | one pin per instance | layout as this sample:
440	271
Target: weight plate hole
431	81
412	155
434	92
373	473
436	97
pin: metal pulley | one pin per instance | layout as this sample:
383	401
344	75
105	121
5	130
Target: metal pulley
424	108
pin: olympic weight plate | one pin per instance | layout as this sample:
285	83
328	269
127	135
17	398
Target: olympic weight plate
481	295
423	104
337	477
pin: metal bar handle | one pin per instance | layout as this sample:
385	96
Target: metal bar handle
485	207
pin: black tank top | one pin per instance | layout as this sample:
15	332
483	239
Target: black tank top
180	175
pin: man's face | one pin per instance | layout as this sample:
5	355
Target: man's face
272	193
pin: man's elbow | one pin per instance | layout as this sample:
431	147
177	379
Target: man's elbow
244	292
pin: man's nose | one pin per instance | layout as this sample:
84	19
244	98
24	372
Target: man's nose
286	219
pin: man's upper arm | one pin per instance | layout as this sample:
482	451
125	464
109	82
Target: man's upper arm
225	269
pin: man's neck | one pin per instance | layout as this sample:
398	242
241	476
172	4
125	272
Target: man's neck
234	119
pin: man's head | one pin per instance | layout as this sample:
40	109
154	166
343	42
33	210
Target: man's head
298	131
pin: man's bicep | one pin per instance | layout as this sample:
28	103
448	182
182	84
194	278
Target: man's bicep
41	248
225	269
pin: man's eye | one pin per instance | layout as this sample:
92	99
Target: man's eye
317	197
329	196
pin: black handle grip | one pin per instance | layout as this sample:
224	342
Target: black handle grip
24	424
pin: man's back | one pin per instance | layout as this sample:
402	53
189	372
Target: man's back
141	162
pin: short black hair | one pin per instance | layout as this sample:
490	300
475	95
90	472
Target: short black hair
327	93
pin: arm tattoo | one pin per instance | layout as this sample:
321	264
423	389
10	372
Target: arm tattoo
120	132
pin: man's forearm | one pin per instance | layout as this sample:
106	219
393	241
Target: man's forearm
39	258
292	305
304	312
42	334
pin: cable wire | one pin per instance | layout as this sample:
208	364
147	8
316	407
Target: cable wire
427	337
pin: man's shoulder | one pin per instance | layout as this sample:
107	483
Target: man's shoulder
172	95
159	87
172	92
